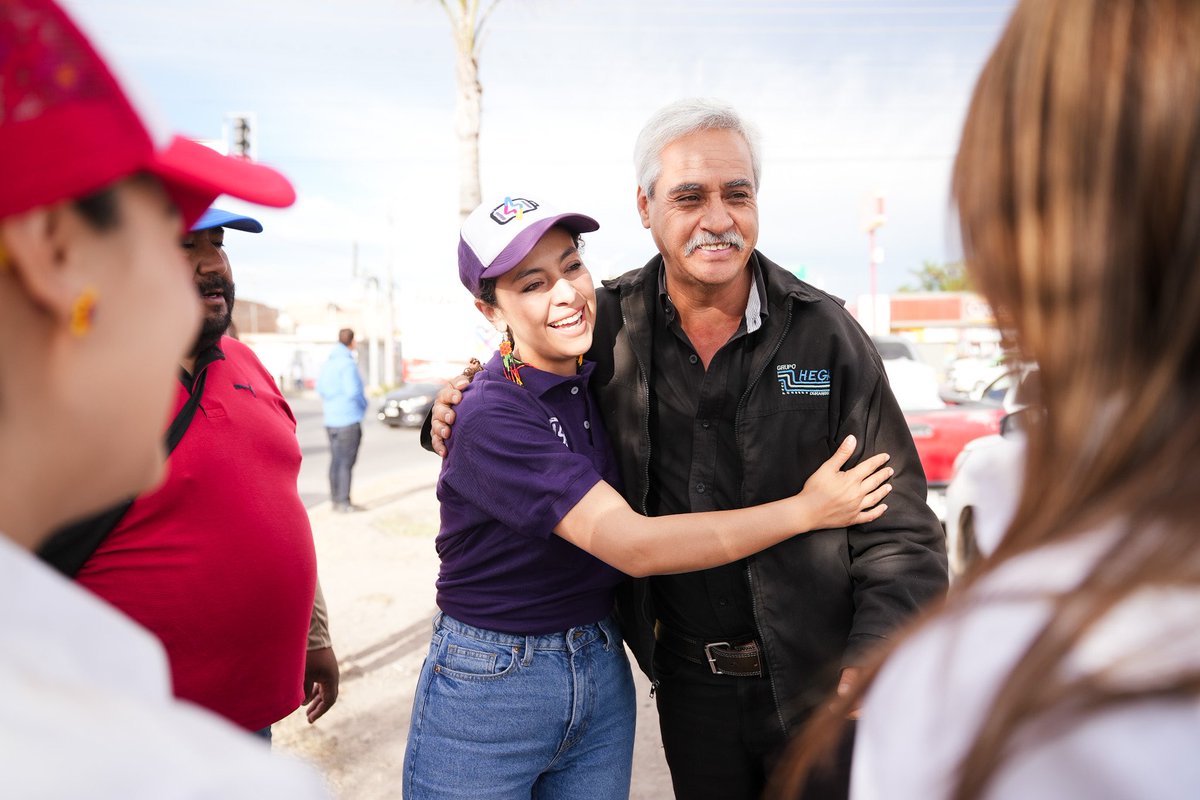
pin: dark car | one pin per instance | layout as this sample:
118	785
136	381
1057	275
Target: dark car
408	405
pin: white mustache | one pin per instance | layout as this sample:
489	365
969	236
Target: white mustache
731	238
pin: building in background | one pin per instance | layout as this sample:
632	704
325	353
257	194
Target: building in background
942	325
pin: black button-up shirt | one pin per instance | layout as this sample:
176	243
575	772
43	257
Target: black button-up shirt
694	464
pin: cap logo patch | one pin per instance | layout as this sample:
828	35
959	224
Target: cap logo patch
813	382
512	208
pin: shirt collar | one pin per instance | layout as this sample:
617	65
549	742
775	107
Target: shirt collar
538	381
203	359
756	305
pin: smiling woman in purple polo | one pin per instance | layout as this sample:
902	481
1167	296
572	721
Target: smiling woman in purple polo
526	690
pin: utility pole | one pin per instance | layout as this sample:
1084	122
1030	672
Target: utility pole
373	331
389	344
875	220
380	338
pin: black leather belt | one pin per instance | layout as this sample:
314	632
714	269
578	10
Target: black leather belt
723	658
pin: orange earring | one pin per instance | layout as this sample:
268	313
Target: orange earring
83	312
3	258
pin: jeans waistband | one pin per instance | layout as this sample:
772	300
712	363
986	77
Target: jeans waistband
605	630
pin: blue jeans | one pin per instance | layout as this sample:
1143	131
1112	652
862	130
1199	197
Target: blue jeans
503	716
343	452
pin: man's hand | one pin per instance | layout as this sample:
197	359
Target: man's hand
846	684
442	415
320	682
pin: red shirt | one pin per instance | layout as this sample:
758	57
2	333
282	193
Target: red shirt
218	562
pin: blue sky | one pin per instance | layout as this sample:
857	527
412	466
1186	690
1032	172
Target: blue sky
354	102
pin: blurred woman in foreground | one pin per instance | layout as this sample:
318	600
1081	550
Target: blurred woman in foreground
96	307
1069	666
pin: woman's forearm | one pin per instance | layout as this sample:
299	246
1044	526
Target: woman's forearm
603	524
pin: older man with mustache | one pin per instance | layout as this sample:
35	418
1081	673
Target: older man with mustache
726	381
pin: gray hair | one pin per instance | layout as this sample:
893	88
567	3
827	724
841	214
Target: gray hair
680	119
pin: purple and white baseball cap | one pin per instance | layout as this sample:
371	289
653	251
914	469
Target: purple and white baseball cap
497	236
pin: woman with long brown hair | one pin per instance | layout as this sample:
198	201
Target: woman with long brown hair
1069	666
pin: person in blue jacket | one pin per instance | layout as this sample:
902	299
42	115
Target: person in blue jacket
341	390
526	691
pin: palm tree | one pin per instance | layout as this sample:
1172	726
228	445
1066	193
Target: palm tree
467	18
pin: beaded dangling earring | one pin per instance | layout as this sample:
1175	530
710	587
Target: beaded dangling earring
83	311
511	364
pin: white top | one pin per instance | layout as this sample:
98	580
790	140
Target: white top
88	711
927	704
990	478
1003	475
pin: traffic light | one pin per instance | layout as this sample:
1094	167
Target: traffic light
241	137
239	131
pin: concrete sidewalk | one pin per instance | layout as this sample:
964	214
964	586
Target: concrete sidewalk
378	569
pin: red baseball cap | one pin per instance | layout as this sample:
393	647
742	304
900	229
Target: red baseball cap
68	129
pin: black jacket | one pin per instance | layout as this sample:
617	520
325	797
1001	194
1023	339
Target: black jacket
823	599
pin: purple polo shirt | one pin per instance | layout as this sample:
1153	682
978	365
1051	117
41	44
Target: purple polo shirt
521	457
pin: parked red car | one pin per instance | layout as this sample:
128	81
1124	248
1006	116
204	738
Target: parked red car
941	433
940	430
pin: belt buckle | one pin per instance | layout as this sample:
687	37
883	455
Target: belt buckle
712	661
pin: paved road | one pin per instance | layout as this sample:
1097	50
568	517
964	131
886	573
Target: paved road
384	451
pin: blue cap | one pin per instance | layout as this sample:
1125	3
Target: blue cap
216	218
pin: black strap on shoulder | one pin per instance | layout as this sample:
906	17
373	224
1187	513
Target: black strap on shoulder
69	548
183	419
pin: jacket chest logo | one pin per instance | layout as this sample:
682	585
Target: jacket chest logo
557	427
794	380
